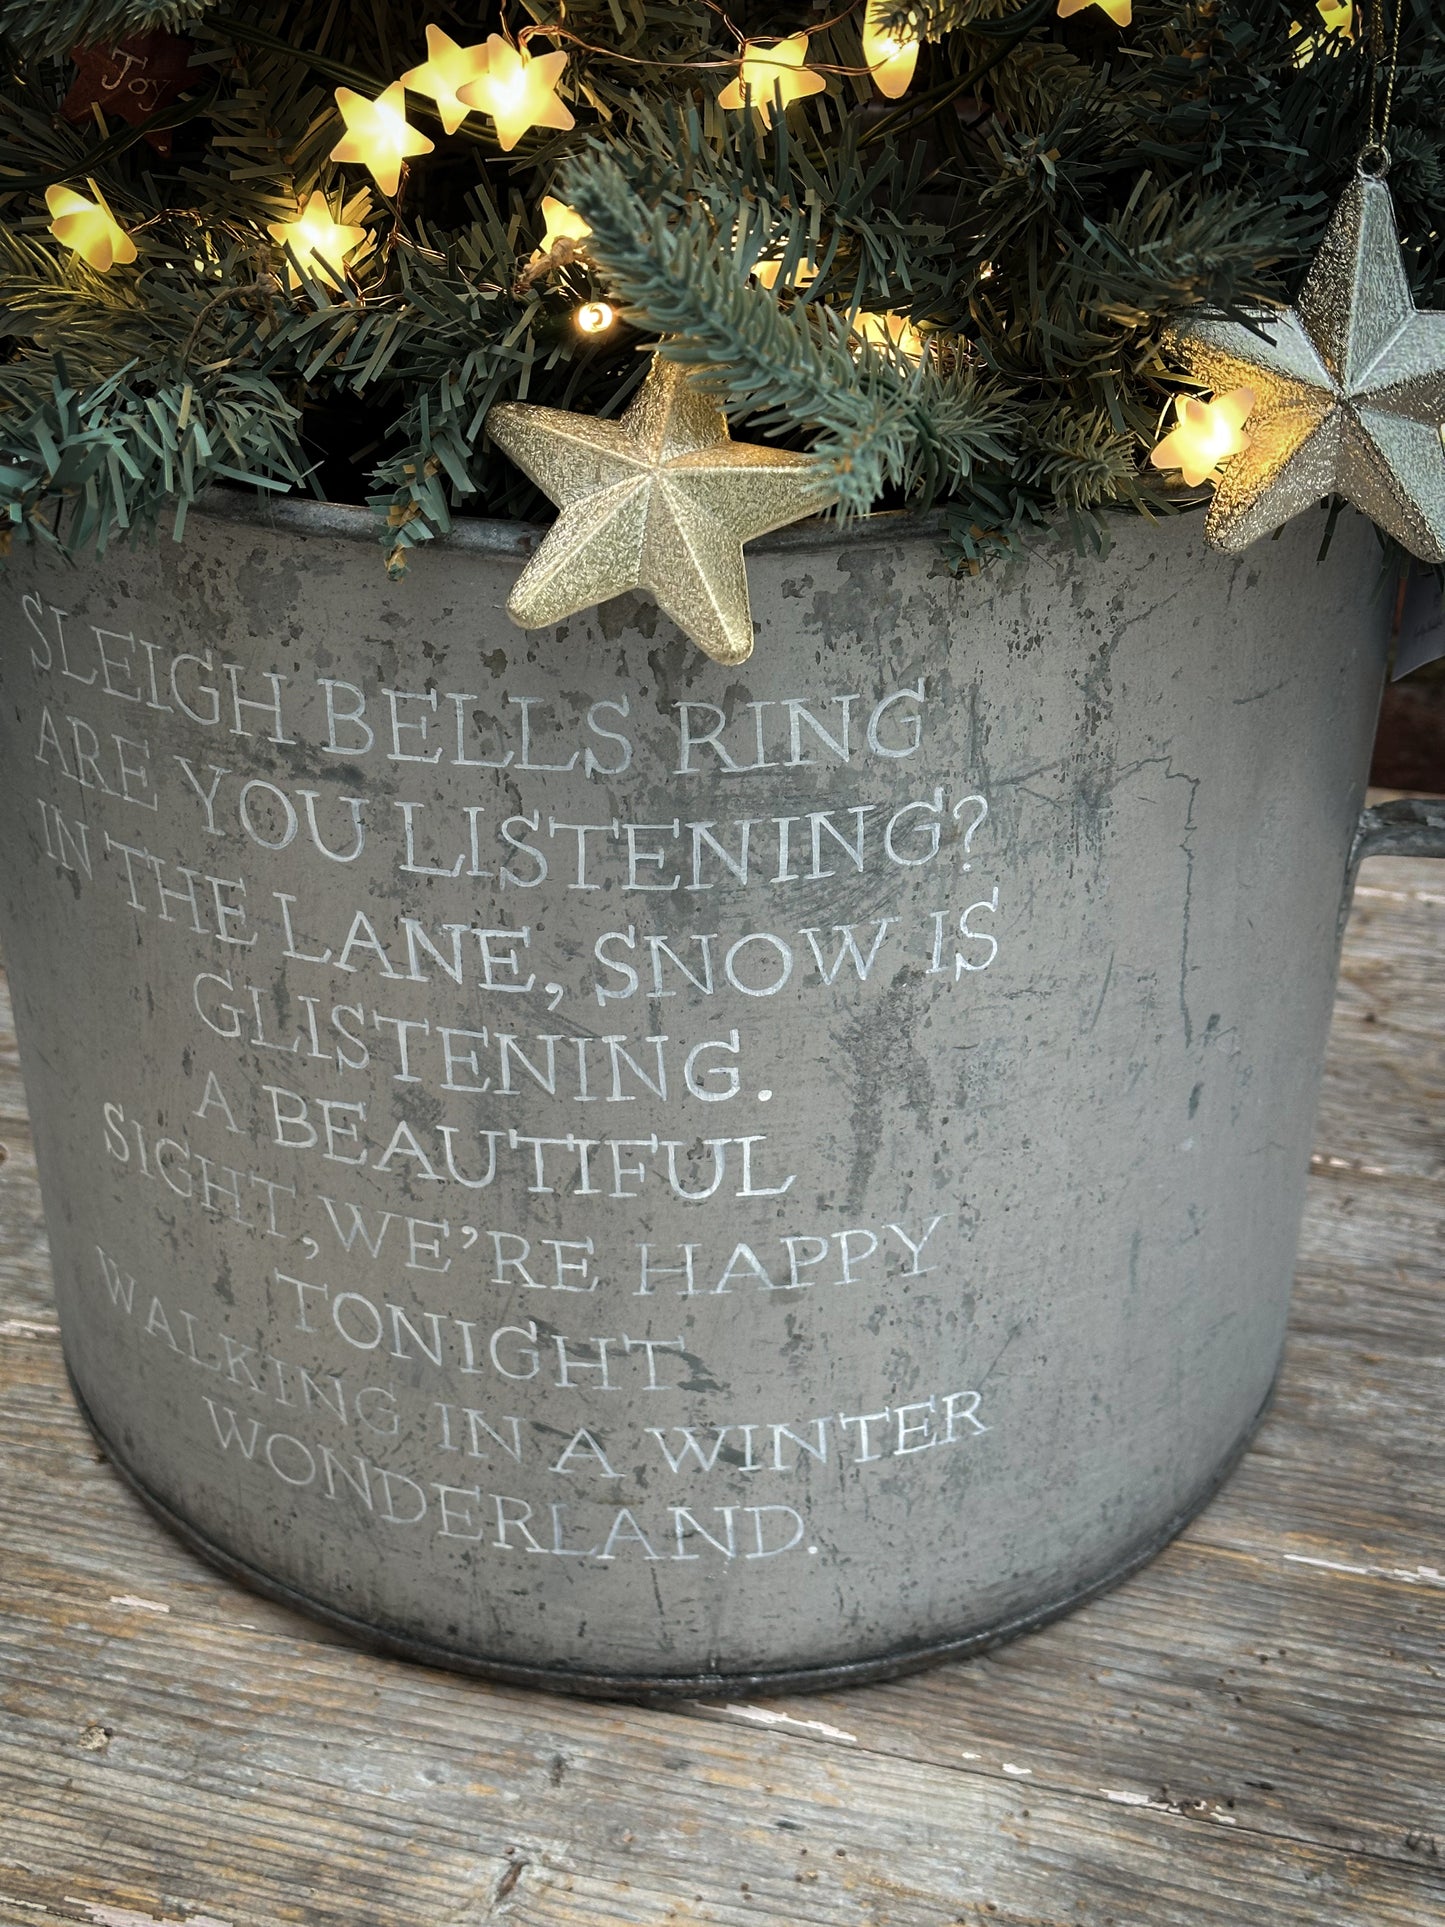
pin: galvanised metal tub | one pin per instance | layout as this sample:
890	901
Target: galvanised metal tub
585	1166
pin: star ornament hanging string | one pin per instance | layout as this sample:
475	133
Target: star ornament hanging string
661	501
1349	384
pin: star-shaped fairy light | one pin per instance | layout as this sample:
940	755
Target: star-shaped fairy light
766	273
891	57
314	235
891	332
1121	12
133	78
446	69
88	227
661	501
770	72
378	134
560	223
518	90
1205	433
1337	17
1349	389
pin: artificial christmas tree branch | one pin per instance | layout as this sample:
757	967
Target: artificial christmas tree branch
1017	229
59	25
880	424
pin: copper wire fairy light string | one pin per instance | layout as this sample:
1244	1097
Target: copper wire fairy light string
551	31
555	31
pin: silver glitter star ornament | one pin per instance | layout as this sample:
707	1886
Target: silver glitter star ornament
661	500
1349	389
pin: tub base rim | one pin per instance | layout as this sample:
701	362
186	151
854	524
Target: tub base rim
661	1688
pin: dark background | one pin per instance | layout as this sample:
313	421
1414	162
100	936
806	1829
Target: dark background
1410	745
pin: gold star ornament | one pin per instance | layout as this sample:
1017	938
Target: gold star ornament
661	501
1348	387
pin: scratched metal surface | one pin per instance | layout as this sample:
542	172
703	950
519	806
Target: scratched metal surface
1072	1063
1249	1730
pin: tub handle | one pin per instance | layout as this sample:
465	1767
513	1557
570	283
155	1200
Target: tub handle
1412	826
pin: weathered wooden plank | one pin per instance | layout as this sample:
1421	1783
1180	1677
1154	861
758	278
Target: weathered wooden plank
1381	1111
642	1812
24	1248
1310	1730
726	1816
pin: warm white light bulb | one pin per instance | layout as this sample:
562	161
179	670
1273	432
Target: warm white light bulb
1121	12
891	58
595	317
560	224
1338	19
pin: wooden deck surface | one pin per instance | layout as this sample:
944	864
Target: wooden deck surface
1251	1733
